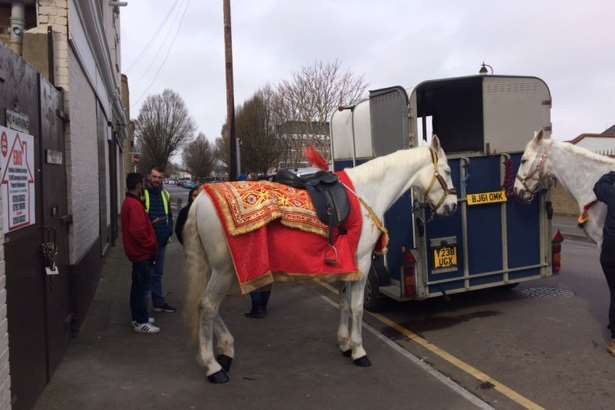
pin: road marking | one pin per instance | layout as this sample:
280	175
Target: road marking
457	388
460	364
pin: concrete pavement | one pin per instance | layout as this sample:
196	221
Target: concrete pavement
288	360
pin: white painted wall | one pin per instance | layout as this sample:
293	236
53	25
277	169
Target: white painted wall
83	172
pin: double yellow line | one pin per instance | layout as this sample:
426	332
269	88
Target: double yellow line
460	364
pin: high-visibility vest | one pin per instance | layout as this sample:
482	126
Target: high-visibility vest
166	198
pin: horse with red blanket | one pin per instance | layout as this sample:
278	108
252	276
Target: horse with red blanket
252	234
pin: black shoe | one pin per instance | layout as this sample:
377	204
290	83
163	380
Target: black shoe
165	308
256	314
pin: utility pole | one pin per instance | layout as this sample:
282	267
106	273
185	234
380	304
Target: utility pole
230	99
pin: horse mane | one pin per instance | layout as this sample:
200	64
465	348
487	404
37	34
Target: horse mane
378	166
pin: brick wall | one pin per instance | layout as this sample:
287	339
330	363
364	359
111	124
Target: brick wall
5	378
563	202
83	168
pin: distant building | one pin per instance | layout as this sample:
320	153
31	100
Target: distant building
297	135
603	143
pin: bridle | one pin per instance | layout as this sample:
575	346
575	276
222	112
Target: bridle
536	173
446	191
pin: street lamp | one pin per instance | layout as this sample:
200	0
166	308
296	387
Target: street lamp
483	69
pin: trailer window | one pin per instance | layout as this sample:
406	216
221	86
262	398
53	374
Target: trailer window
456	108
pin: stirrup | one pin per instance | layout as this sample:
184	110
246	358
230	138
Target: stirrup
331	261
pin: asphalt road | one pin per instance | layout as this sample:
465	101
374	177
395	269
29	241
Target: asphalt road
545	339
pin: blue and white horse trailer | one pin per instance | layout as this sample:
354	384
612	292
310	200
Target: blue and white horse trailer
484	123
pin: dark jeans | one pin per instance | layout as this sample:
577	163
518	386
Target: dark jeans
157	296
607	260
141	278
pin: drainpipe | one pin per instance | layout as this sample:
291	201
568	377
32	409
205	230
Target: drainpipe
17	23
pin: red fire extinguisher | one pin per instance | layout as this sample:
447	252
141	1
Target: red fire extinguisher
556	251
408	268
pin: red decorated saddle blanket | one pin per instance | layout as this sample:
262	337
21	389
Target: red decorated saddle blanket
274	234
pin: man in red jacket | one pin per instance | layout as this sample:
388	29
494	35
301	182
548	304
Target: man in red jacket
141	248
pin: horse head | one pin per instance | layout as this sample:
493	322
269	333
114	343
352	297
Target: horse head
435	181
534	173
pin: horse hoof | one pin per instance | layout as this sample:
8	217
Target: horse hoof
362	362
219	377
347	353
225	361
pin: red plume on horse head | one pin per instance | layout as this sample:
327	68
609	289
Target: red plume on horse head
315	158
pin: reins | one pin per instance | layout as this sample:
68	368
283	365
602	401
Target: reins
446	191
538	170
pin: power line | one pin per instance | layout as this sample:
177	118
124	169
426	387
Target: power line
150	64
158	30
165	57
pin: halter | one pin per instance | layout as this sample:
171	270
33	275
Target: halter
446	191
538	170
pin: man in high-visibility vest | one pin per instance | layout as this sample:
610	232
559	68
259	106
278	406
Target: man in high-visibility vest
158	206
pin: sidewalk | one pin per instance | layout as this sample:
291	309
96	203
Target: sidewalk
287	361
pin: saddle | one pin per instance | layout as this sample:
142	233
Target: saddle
328	195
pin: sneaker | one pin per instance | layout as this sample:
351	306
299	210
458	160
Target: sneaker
611	347
146	328
151	321
165	308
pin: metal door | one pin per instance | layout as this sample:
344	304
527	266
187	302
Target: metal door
55	221
25	283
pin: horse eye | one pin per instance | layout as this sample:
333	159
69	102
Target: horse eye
523	161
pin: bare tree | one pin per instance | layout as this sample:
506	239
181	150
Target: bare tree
222	148
259	144
161	128
303	106
199	157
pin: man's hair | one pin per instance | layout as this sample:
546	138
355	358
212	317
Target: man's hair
158	169
132	180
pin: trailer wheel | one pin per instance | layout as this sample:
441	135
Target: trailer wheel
372	299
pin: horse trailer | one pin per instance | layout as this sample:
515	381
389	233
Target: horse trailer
484	123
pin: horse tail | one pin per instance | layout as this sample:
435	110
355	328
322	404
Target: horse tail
197	270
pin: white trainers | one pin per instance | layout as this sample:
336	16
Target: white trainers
146	328
151	321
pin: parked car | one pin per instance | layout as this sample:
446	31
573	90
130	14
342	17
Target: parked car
189	184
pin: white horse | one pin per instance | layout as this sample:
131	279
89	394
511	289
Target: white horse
379	182
576	168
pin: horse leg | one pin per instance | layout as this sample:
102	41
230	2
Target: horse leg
219	284
359	355
224	344
343	331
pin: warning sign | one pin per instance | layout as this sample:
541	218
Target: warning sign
17	170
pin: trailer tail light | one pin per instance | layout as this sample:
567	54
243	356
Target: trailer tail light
409	272
556	252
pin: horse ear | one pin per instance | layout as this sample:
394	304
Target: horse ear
435	143
539	135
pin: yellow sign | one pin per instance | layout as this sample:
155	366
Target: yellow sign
445	257
486	198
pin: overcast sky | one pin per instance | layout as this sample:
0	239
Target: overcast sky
569	44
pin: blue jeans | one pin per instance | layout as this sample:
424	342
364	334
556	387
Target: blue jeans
141	277
157	296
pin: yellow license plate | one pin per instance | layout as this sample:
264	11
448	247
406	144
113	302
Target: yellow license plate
445	257
486	198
